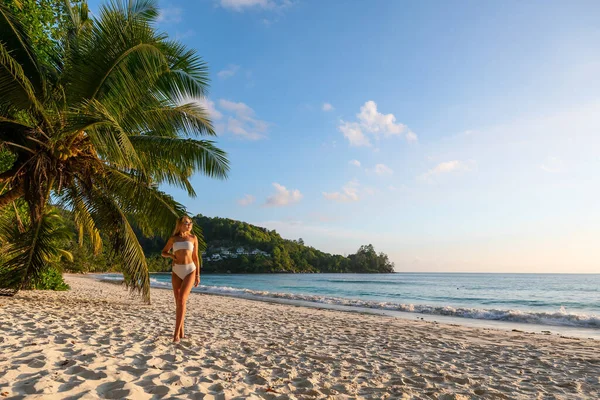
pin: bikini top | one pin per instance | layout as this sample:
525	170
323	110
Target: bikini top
183	245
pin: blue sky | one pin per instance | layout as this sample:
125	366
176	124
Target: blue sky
454	136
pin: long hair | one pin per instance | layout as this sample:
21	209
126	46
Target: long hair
178	224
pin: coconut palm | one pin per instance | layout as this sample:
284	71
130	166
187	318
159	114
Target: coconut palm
96	126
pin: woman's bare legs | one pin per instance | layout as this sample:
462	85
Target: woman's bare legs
184	287
176	282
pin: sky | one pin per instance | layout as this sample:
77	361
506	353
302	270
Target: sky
454	136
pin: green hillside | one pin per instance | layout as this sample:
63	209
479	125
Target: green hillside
236	246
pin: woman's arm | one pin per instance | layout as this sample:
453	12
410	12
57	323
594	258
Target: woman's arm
166	251
196	261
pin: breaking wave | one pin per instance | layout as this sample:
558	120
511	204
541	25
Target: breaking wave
560	317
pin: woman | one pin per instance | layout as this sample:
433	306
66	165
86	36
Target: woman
186	268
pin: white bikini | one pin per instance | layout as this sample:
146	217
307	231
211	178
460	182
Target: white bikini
183	270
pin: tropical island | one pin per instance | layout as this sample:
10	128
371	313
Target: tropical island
238	247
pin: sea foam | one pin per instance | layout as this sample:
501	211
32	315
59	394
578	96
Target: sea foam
561	317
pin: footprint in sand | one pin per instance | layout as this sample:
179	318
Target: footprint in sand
160	390
255	380
37	363
71	384
112	390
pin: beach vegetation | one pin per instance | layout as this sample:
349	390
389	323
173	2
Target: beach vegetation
96	113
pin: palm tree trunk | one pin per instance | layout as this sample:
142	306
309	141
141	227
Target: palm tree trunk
6	175
12	195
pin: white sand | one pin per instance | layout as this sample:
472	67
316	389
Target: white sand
95	341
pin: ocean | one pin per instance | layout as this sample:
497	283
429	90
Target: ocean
522	300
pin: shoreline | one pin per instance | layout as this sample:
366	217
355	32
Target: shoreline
97	341
526	327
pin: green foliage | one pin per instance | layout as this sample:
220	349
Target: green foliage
92	110
282	255
50	279
30	251
46	22
157	263
7	159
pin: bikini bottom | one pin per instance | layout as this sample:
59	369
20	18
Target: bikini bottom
183	270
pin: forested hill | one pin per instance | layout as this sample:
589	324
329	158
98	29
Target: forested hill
239	247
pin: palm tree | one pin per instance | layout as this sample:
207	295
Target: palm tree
96	126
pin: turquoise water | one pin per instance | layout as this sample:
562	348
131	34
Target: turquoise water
547	299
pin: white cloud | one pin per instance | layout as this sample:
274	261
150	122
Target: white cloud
236	118
553	165
283	196
382	169
169	15
411	136
356	163
246	200
184	35
349	193
209	106
242	5
228	72
243	122
327	107
373	122
354	134
446	167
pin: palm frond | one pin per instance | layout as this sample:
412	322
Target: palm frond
199	155
152	210
110	218
84	222
29	253
16	89
190	119
109	138
145	10
14	37
187	75
118	57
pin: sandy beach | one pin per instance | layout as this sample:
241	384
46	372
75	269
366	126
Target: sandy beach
96	341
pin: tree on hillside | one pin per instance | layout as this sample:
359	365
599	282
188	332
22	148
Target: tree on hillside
367	260
96	124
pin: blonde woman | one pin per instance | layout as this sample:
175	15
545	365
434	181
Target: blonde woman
186	268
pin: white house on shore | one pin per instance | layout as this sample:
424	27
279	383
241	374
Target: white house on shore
222	253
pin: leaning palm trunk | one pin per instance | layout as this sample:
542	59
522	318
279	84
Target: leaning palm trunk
97	127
